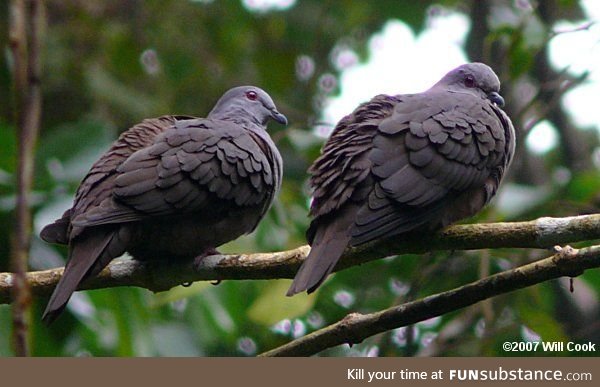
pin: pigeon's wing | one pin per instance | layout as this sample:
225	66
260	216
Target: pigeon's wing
58	231
434	151
90	251
341	180
341	170
198	165
98	184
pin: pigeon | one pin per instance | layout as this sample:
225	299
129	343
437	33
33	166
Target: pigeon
172	187
407	163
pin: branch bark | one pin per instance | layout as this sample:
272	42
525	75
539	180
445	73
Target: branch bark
160	276
356	327
26	25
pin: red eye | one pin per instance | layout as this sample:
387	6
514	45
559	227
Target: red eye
251	95
469	81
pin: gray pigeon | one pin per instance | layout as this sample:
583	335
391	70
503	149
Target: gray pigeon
173	187
403	163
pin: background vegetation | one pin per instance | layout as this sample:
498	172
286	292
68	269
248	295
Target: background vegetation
108	65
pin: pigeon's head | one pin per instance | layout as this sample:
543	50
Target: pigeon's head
247	104
474	78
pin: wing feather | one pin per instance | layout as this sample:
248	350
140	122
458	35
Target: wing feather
196	165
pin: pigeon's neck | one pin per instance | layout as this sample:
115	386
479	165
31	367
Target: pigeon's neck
458	88
237	115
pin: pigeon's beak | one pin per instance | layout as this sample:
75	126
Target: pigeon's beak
279	117
496	98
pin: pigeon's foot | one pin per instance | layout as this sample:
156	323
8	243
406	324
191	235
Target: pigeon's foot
208	252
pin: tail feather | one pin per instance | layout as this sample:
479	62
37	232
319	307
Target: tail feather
329	242
318	265
88	256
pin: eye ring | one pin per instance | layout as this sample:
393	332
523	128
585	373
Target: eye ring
251	95
469	81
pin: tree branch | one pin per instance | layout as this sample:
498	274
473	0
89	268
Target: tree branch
356	327
26	25
575	148
160	276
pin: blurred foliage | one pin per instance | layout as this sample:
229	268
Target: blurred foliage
108	65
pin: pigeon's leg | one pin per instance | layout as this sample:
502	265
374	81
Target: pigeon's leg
198	260
207	252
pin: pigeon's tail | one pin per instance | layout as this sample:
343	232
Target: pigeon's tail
88	256
329	242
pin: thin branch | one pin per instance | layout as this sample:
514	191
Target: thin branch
160	276
574	147
559	88
25	40
356	327
583	27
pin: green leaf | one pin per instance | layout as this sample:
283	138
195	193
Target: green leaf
273	305
8	140
534	308
584	187
178	293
